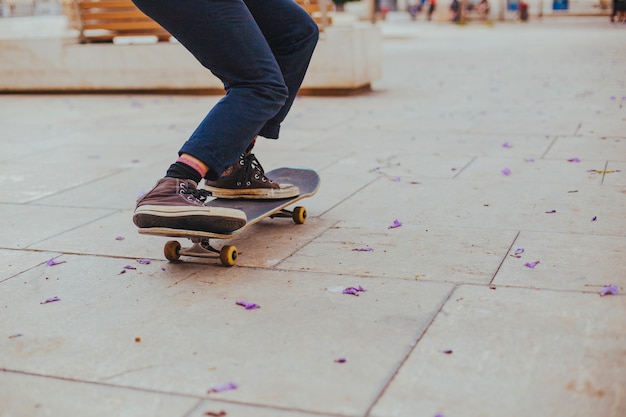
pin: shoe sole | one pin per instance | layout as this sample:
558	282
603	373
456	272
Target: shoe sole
255	193
213	220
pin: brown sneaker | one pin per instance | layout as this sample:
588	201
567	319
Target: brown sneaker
177	204
246	179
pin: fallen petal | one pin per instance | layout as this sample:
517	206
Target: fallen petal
52	262
354	290
144	261
50	300
506	172
573	160
220	413
225	387
363	249
550	211
247	305
531	265
396	223
120	238
340	360
609	290
507	145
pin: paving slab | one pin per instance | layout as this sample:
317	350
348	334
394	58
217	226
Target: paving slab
595	147
183	333
496	201
16	261
25	225
573	262
417	253
515	352
24	395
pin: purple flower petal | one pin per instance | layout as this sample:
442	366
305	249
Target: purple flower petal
224	387
519	251
396	223
353	290
529	160
507	145
531	265
144	261
247	305
53	262
506	172
448	351
362	249
129	267
609	290
573	160
396	179
340	360
50	300
550	211
13	336
594	218
120	238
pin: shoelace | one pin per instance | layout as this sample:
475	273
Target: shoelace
198	194
249	167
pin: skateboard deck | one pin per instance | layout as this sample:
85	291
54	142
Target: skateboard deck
306	180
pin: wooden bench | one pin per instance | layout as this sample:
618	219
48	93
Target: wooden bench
105	20
316	9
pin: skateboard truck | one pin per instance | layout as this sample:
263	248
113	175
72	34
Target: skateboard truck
200	248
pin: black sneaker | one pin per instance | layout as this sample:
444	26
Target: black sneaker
176	204
246	179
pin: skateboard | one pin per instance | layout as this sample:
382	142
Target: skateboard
306	180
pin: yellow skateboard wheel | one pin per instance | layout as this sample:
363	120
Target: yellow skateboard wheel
299	215
228	255
171	250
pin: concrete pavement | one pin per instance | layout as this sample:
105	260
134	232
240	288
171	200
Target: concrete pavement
500	154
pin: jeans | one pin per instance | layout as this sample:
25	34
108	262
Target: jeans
259	49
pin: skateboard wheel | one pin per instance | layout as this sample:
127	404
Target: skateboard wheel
228	255
171	250
299	215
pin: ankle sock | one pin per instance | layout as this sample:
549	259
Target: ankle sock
183	171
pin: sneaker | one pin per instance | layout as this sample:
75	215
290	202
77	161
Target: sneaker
177	204
246	179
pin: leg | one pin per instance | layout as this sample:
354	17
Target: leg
292	36
224	37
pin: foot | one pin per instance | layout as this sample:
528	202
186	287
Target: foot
177	204
246	179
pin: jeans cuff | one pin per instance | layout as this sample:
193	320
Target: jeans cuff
270	132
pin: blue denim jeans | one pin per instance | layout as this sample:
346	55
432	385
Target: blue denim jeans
259	49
